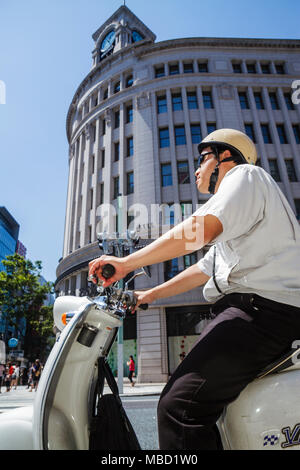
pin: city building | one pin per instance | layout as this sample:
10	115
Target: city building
133	127
9	232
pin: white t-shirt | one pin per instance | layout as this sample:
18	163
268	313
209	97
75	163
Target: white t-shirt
259	248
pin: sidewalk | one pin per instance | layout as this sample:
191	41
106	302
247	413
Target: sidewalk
22	396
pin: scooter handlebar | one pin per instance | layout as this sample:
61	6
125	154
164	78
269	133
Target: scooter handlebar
108	271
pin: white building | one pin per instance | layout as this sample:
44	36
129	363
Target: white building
133	127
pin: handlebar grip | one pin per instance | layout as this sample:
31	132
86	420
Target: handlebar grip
143	306
108	271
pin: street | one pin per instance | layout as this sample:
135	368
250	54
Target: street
140	409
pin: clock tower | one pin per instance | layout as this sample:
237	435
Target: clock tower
122	29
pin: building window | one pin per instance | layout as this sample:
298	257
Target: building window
174	69
266	133
117	87
203	67
207	100
103	126
164	138
280	69
159	71
166	174
102	158
130	183
237	67
274	100
117	119
116	187
177	102
171	268
297	204
211	127
258	100
183	172
105	94
296	130
129	114
188	67
189	260
129	81
93	164
281	134
180	138
91	198
192	100
117	151
162	106
265	68
196	133
250	132
274	170
288	101
251	67
290	168
101	194
130	149
244	103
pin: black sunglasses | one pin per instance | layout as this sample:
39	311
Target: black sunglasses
202	157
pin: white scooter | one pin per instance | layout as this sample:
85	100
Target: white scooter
264	416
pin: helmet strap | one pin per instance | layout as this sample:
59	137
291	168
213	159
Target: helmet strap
215	174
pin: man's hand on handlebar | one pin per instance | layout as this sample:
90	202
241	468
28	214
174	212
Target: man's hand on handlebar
96	267
144	297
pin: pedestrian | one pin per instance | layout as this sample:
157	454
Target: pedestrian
35	374
250	276
15	376
2	372
7	377
131	365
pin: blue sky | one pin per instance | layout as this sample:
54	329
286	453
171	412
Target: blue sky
45	52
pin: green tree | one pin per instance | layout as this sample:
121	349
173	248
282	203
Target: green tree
22	296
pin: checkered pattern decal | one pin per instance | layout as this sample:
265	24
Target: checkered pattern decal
271	440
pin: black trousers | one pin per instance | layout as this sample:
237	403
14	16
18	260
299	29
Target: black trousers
248	333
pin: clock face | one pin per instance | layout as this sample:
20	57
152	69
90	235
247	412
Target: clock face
108	41
136	36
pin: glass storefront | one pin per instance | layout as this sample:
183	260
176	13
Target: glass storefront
184	325
129	346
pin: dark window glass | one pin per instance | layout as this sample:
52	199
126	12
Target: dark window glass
203	67
171	268
265	68
188	68
159	72
130	149
116	187
250	132
266	133
173	69
117	119
297	204
251	68
291	170
207	100
189	260
164	138
177	102
129	81
244	100
280	69
180	135
117	87
117	151
130	183
211	127
237	67
166	174
192	100
196	133
129	114
274	170
162	104
281	134
183	172
259	101
288	101
296	130
274	100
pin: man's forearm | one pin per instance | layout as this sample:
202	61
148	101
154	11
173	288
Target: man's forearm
186	280
184	238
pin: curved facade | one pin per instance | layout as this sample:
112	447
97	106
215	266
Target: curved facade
133	128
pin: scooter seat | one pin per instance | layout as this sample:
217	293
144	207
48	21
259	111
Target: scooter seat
290	359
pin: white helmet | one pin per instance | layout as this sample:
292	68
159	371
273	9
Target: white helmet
240	145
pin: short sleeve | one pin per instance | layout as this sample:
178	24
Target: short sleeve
205	264
238	204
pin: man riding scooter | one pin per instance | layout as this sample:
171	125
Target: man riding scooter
251	275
